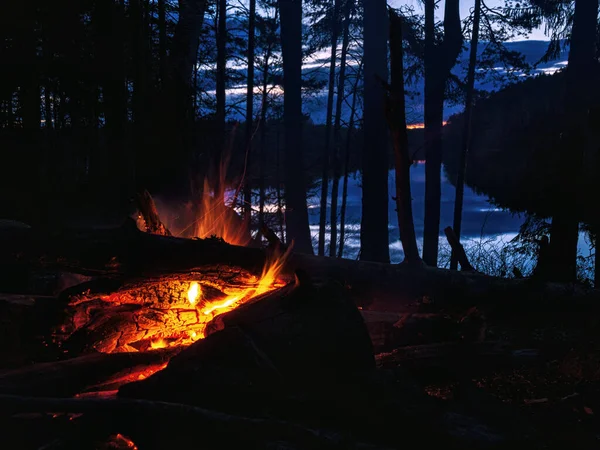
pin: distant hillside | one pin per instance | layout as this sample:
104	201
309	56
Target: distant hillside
516	148
318	69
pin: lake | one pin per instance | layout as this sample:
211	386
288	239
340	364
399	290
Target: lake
481	220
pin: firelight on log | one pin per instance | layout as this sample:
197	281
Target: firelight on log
167	312
194	292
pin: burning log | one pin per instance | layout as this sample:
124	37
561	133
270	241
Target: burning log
117	315
305	334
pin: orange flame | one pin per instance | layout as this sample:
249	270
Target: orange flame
214	217
120	441
267	282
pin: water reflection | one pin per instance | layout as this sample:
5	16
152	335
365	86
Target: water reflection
482	221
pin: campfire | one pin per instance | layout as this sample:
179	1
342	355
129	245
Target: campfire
172	310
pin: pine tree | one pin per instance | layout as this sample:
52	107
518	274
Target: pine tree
374	238
296	213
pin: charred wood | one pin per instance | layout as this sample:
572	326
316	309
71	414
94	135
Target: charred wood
147	209
72	376
215	427
457	356
458	249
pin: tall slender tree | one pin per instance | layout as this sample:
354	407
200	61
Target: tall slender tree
374	237
396	112
581	73
140	82
326	156
349	136
177	116
337	129
109	19
440	57
296	211
269	41
220	88
249	110
466	140
162	41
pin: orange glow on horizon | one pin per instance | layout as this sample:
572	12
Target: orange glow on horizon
420	126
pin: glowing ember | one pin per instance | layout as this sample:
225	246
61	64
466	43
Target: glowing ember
194	292
119	441
226	304
167	313
158	343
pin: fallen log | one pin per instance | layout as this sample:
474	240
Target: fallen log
389	330
25	323
461	357
76	375
128	252
211	427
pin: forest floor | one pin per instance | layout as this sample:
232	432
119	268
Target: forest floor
559	395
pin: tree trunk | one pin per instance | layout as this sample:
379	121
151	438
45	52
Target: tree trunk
220	91
596	261
140	85
374	235
263	146
116	164
29	92
466	138
580	77
325	158
263	138
162	43
439	60
184	49
337	135
296	212
397	121
177	116
347	163
280	215
47	106
249	113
